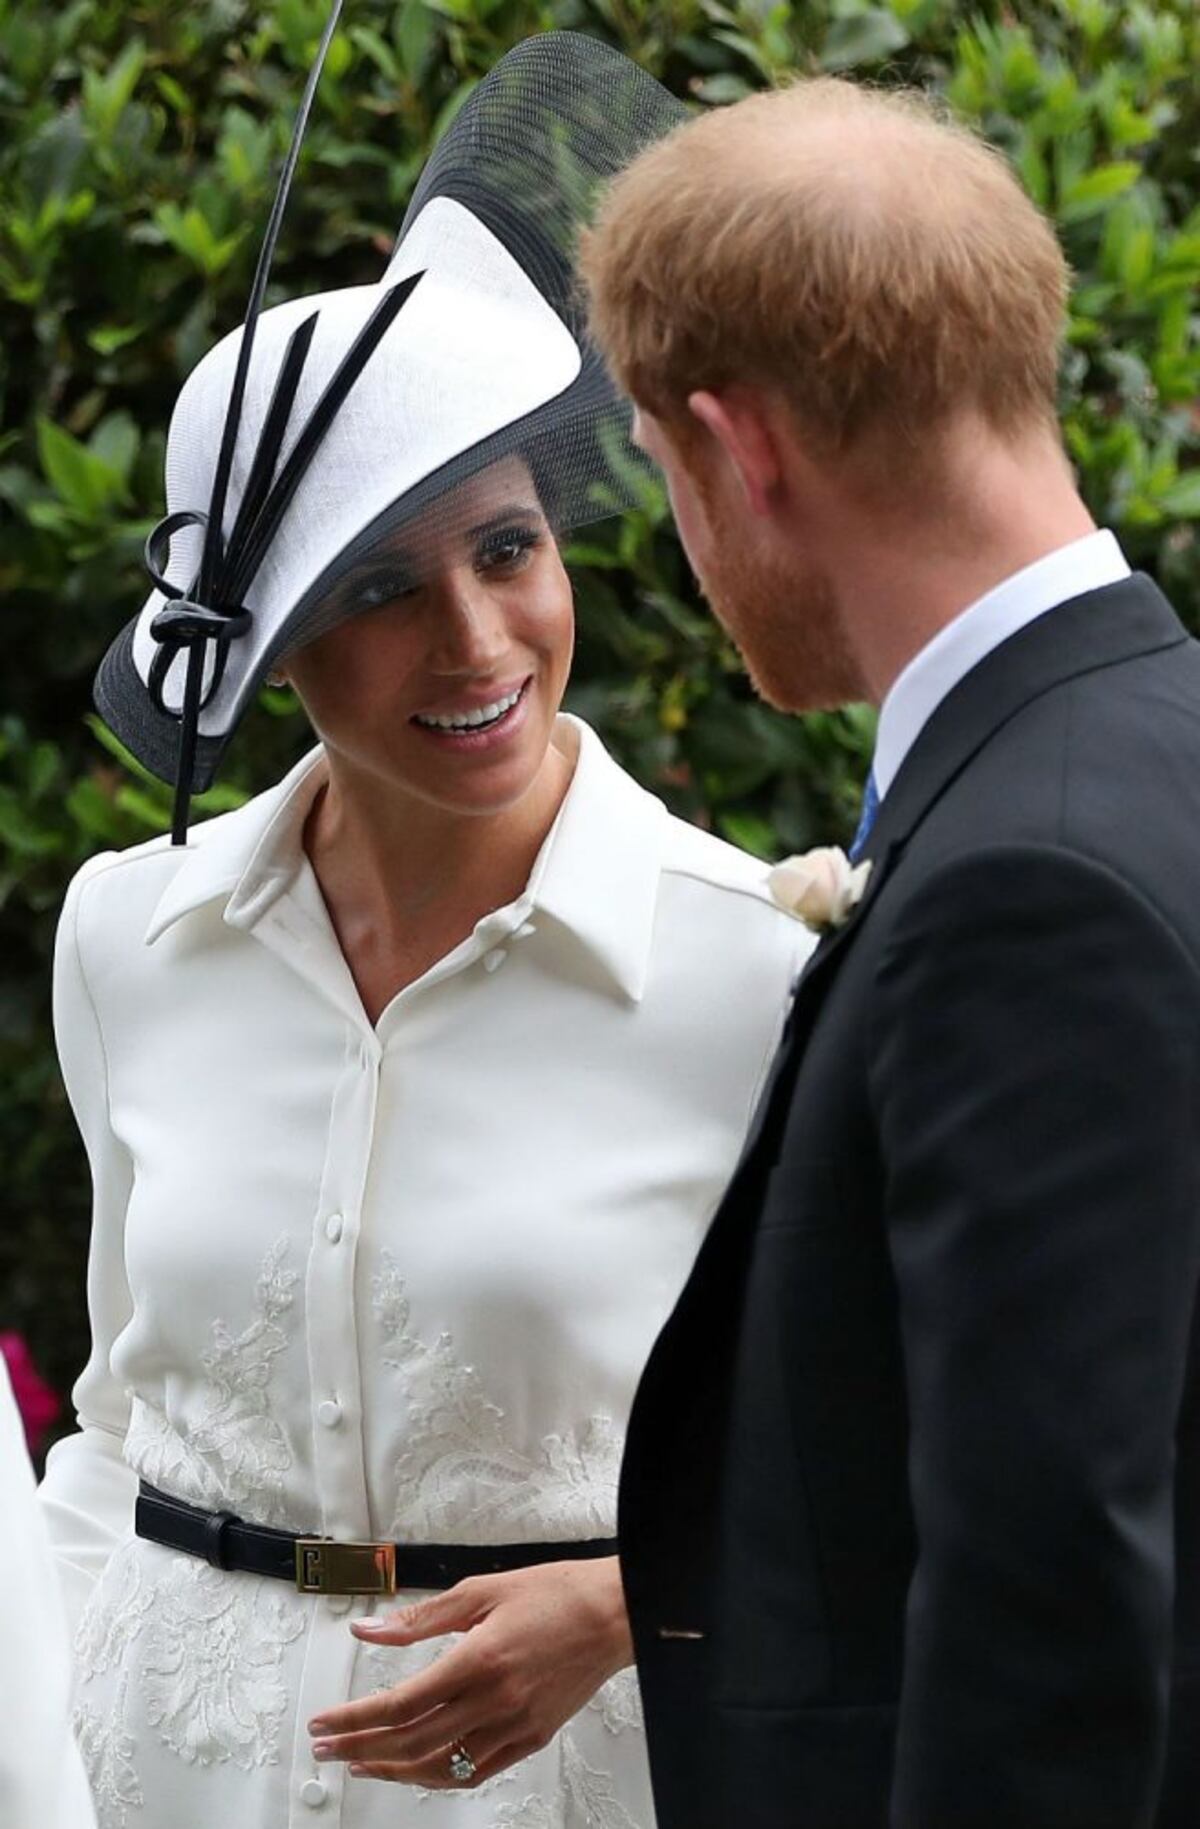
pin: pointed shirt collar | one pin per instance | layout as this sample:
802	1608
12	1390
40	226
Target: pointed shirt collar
595	878
1082	565
1103	627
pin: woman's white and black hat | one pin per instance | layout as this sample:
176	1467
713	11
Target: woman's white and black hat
327	425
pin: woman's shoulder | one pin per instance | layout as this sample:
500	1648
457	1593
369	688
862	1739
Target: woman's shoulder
117	893
712	898
690	851
145	869
721	890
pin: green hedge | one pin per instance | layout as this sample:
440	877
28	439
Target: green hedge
139	141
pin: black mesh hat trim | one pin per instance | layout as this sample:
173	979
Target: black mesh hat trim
120	696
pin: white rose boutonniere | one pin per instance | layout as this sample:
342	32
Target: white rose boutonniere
822	888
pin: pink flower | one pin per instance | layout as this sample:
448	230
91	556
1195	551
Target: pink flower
38	1404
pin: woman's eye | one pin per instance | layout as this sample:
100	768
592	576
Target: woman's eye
508	551
376	593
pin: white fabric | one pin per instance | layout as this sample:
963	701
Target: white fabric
42	1784
1086	564
475	348
395	1281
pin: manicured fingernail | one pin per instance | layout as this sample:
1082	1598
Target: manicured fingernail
322	1750
318	1727
357	1771
367	1625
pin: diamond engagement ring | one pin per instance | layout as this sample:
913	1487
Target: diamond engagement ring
462	1766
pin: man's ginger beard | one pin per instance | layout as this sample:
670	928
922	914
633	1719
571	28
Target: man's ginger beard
784	618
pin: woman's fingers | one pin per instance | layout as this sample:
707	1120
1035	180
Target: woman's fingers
434	1774
406	1744
535	1647
408	1701
457	1610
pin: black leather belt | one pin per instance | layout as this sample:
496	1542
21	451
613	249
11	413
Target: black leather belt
318	1565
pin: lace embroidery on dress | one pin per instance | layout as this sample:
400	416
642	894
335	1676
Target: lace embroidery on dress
235	1453
460	1479
619	1703
588	1800
211	1654
113	1615
109	1751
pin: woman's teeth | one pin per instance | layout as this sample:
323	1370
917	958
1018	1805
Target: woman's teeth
472	720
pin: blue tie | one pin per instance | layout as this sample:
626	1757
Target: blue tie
870	808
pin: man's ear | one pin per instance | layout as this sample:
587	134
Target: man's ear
736	419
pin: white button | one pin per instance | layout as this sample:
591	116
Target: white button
333	1228
329	1413
494	960
313	1793
338	1603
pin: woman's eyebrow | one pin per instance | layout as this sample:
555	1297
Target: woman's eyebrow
388	562
504	517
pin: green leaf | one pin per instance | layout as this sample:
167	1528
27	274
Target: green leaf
1182	499
244	150
449	113
416	34
173	93
81	478
378	51
190	232
721	89
868	38
108	339
115	442
94	811
106	97
750	832
42	770
21	832
150	811
1092	193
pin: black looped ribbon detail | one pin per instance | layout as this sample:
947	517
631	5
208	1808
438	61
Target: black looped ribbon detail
183	626
158	547
189	623
211	610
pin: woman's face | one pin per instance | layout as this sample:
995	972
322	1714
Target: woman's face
448	687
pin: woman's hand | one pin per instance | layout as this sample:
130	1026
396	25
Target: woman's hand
537	1645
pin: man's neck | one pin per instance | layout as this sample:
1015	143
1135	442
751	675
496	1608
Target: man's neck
903	583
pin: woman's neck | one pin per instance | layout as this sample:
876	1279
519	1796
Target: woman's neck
406	881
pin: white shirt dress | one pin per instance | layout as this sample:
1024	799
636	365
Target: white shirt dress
393	1281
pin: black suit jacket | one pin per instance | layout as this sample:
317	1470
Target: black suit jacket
910	1514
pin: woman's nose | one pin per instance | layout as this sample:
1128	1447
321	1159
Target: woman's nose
472	635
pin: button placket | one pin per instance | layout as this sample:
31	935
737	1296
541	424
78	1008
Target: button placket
339	1463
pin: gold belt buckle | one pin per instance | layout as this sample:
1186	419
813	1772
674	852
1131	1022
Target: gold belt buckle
326	1567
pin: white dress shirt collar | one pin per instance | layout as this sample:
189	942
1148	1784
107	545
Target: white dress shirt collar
596	874
1086	564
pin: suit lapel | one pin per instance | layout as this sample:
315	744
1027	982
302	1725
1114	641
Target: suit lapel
1099	629
810	993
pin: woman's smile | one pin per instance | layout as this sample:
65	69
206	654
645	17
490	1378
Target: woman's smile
478	726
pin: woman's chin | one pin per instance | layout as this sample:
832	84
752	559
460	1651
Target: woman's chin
467	777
